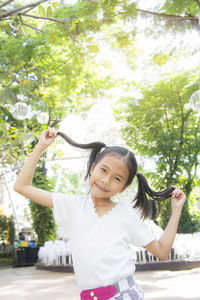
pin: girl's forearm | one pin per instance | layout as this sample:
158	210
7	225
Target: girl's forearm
162	247
23	184
167	238
25	176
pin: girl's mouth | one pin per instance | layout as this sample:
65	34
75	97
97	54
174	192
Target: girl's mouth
101	188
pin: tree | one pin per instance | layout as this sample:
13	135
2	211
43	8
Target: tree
7	232
160	126
186	8
17	16
173	13
171	16
43	222
69	182
51	71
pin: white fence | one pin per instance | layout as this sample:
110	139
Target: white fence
185	247
142	256
58	255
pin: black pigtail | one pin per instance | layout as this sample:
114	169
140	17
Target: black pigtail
95	146
81	146
93	155
142	200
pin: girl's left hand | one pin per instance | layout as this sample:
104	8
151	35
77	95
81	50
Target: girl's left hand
178	199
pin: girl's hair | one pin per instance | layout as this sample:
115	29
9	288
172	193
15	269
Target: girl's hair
144	193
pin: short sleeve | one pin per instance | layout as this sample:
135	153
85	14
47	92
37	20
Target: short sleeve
140	234
64	208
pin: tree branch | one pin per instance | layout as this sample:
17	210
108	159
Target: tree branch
17	29
169	130
166	16
30	26
42	18
67	30
54	20
28	10
18	9
183	121
5	3
94	1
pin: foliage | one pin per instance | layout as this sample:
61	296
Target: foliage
160	126
184	7
43	221
7	261
3	226
83	15
7	229
74	19
187	9
172	16
189	221
7	254
7	257
69	182
11	230
50	71
48	61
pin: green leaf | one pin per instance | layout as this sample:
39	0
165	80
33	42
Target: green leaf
93	48
160	58
49	11
55	4
41	11
90	39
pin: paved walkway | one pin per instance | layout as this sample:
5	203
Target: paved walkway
29	283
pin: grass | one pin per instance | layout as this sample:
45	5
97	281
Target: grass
6	261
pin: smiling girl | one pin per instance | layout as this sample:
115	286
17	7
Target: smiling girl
101	231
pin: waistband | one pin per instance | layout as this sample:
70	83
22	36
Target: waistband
107	292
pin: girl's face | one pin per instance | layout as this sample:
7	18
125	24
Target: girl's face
108	176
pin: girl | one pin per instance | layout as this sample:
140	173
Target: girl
100	230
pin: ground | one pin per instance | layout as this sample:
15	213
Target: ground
30	283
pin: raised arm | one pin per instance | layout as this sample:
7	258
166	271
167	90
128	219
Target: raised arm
162	247
23	184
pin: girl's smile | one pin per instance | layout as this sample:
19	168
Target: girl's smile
101	188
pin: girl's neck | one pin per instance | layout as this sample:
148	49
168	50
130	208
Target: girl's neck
98	202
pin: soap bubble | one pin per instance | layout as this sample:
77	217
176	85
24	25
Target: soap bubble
20	111
42	117
194	101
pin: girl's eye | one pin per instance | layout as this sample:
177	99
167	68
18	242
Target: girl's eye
104	170
117	179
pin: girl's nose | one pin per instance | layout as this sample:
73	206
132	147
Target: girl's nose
105	180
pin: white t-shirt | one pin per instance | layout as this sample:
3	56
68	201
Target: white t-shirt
100	246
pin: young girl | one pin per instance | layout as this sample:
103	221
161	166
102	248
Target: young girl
100	230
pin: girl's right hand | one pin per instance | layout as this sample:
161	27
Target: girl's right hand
47	137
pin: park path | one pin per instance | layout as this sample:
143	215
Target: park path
29	283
